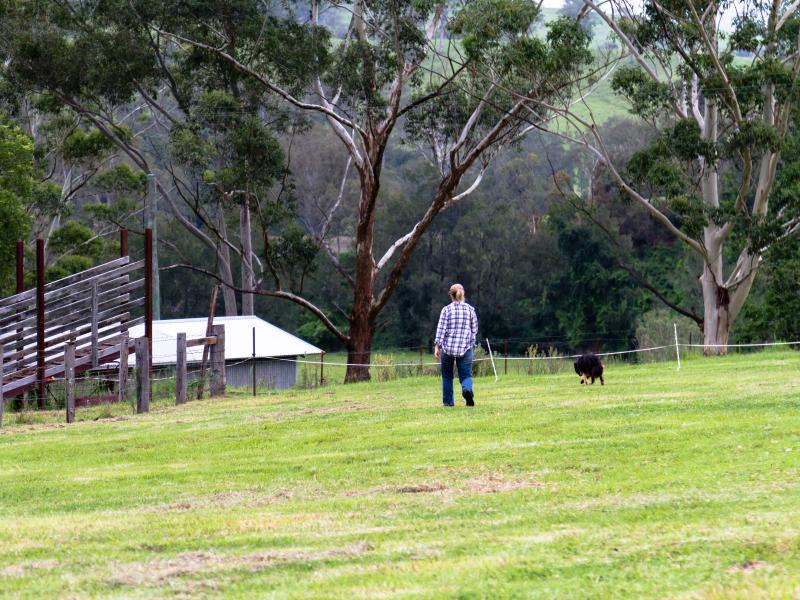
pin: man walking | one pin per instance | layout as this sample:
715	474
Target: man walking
455	339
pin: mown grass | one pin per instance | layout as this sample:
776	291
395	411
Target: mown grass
660	484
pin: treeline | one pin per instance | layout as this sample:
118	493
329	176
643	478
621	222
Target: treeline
544	268
334	167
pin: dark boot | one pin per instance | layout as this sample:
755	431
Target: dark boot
468	396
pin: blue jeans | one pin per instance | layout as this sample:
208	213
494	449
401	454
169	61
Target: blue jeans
464	364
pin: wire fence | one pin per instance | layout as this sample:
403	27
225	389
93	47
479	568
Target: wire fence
536	360
97	391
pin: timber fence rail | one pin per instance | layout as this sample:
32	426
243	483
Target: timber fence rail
90	311
174	383
113	384
74	324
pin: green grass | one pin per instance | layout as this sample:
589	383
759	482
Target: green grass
660	484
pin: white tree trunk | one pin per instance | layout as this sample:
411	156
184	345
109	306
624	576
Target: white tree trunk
716	303
224	260
716	311
248	277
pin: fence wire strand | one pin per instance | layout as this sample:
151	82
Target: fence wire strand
96	387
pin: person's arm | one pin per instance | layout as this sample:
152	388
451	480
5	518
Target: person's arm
441	330
473	325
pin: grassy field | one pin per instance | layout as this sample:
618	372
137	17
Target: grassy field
660	484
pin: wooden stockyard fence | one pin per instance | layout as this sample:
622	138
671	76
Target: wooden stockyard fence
56	331
91	310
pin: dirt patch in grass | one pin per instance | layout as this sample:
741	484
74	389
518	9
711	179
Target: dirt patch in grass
26	568
545	537
279	416
424	488
493	483
747	567
334	409
156	572
485	483
239	498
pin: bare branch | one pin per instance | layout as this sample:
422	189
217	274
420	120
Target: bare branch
632	49
791	9
711	48
299	300
265	82
647	204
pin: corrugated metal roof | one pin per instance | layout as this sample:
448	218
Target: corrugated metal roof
270	340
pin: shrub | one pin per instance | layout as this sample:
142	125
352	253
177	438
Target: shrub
383	368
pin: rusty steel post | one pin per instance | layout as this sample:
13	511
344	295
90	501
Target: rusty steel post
148	295
123	242
40	322
20	266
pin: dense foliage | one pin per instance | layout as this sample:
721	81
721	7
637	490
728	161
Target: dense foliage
263	194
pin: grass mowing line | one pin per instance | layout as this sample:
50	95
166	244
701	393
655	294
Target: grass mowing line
653	485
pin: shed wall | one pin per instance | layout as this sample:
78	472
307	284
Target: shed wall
271	374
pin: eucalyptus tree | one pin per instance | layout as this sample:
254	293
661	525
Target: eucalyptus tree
456	79
720	104
68	153
69	157
129	88
16	184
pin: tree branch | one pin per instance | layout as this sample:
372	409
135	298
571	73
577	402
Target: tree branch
299	300
736	110
264	81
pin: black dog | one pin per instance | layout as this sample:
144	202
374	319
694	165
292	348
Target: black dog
589	366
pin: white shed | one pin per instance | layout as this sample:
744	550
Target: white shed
275	349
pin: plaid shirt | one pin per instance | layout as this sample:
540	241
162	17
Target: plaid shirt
458	326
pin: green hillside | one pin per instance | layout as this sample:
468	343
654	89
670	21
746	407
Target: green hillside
659	484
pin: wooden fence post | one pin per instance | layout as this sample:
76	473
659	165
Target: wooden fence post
122	386
180	370
142	375
321	367
212	308
69	380
2	400
218	362
505	348
95	323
